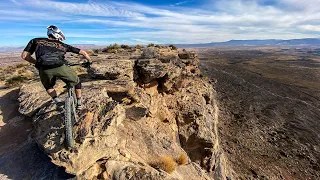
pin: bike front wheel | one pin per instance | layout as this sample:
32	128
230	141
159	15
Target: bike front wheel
68	123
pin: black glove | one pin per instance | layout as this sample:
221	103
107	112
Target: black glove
86	64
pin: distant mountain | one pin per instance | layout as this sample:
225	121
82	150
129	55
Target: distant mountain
10	49
16	49
86	46
267	42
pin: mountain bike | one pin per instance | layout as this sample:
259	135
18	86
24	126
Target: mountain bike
70	115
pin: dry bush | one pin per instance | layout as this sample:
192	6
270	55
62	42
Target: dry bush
173	47
15	80
139	46
124	46
166	163
150	45
182	159
157	46
97	51
112	48
90	52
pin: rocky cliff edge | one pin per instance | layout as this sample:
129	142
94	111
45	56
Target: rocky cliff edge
147	115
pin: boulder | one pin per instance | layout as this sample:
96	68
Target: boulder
150	69
149	53
187	55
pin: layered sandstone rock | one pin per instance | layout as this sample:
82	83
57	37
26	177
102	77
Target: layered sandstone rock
151	108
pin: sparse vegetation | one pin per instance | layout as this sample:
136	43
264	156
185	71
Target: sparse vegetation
97	51
112	48
182	159
16	74
173	47
124	46
15	80
139	46
157	46
166	163
90	52
150	45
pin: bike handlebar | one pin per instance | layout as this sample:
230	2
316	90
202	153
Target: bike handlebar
79	64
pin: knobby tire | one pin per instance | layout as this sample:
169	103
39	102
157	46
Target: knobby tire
68	118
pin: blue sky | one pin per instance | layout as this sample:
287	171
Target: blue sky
103	22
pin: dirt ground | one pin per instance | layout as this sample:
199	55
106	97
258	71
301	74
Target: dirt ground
269	102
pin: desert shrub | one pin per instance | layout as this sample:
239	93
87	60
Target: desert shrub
90	52
148	53
139	46
166	163
124	46
114	46
111	48
104	50
96	51
157	46
173	47
15	80
182	159
150	45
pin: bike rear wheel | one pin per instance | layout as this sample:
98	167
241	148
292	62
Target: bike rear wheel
68	118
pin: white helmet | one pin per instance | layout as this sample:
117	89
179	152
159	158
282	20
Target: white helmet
55	32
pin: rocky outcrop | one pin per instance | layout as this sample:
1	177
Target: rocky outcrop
154	119
112	69
32	97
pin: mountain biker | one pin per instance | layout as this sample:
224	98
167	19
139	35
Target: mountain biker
50	61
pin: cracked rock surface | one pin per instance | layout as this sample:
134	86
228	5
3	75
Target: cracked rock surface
136	111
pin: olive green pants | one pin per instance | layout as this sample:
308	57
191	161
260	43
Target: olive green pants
65	73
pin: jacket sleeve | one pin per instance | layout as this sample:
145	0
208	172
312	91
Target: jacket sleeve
31	46
72	49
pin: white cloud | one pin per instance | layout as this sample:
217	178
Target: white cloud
310	28
181	3
232	19
91	8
